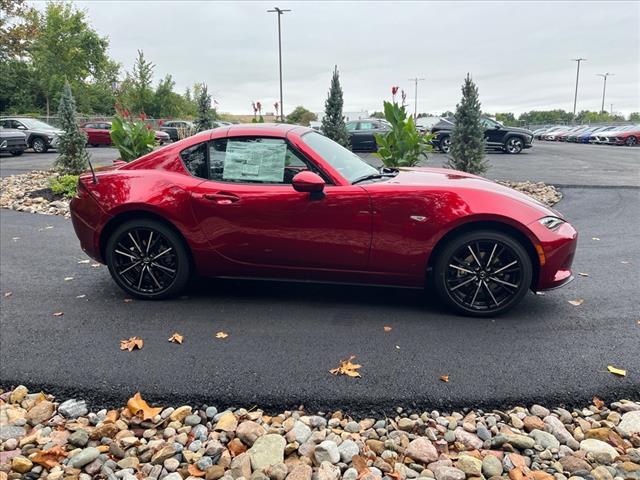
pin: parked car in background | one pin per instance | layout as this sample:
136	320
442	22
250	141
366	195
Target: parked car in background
99	133
574	135
551	134
178	129
362	133
12	141
498	137
562	136
40	136
624	135
585	137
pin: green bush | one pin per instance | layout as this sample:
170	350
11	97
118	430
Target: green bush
133	138
65	185
403	145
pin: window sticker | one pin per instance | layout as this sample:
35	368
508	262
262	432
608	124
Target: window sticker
261	161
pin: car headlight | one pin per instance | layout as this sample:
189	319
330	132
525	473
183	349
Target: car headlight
551	222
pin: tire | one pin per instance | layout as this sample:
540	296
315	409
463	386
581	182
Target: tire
445	144
472	289
513	145
148	279
17	153
631	141
39	145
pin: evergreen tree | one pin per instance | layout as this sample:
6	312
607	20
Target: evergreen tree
467	137
333	125
72	154
204	121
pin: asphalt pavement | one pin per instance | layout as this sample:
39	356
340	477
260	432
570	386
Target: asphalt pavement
284	338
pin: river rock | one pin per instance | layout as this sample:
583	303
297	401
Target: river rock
598	447
267	450
422	450
630	423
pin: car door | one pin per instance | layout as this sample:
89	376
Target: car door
494	133
104	133
252	216
364	133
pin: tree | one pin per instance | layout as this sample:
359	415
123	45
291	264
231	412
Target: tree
507	119
301	116
205	118
634	117
379	115
333	125
137	94
467	137
17	29
72	154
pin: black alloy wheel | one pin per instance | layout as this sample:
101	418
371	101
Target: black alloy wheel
483	273
631	141
514	145
147	259
39	145
445	144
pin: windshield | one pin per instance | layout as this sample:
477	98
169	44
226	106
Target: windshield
348	164
33	123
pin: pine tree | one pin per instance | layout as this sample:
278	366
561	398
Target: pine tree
333	125
205	119
72	154
467	137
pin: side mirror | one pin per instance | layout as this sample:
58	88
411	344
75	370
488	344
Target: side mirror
308	182
496	127
21	127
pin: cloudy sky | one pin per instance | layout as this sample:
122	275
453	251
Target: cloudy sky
518	52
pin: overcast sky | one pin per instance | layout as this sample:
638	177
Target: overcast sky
518	52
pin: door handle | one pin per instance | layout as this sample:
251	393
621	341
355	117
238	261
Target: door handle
222	198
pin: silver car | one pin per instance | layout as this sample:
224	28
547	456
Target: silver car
40	135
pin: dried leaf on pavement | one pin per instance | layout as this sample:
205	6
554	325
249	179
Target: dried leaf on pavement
583	274
81	296
8	294
176	338
131	344
617	371
347	367
84	261
68	279
58	314
137	406
598	403
387	328
222	335
595	238
128	300
49	458
577	302
444	378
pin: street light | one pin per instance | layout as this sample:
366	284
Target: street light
415	100
575	98
280	11
604	88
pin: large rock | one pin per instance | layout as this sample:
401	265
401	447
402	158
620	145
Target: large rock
84	457
327	451
21	464
519	441
300	472
227	422
468	439
422	450
571	464
630	423
41	412
598	447
161	455
544	439
11	431
248	432
73	408
491	466
327	471
299	433
241	466
347	450
471	466
558	430
449	473
267	450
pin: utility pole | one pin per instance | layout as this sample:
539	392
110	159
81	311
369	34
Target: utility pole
604	88
415	98
280	11
611	109
575	98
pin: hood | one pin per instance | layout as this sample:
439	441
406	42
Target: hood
524	131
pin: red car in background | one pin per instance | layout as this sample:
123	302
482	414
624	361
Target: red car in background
285	202
628	136
99	133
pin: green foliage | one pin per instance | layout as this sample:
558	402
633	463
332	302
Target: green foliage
132	137
507	119
204	120
467	137
17	29
546	117
65	185
301	116
634	117
333	125
72	154
403	146
379	115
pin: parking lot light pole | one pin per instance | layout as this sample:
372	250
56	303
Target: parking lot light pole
280	11
575	98
415	99
604	87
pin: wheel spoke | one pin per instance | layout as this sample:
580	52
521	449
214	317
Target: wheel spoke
133	257
473	300
505	267
149	241
474	256
495	245
153	277
497	280
135	243
463	283
141	275
167	269
461	269
135	264
162	253
490	292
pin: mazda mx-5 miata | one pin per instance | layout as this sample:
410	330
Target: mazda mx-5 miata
285	202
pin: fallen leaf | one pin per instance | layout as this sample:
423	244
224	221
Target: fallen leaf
80	296
598	403
577	302
49	458
222	335
195	471
387	328
95	265
128	300
346	367
48	227
137	406
582	274
444	378
68	279
595	238
176	338
131	343
8	294
58	314
617	371
84	261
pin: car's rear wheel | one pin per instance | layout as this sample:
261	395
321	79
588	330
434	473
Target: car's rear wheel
631	141
514	145
445	144
39	145
148	259
482	273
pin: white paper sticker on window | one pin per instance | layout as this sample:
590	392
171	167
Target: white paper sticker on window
255	161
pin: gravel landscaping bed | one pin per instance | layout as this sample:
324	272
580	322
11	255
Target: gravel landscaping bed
30	192
43	439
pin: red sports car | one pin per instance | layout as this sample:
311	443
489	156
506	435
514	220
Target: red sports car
283	201
99	133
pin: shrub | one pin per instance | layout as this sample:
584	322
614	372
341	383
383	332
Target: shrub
403	145
333	125
72	154
65	185
133	138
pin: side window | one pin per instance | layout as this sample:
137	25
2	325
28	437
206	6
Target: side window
366	126
351	126
195	159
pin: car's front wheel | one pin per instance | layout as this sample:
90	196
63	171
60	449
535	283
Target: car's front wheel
482	273
148	259
631	141
445	144
514	145
39	145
